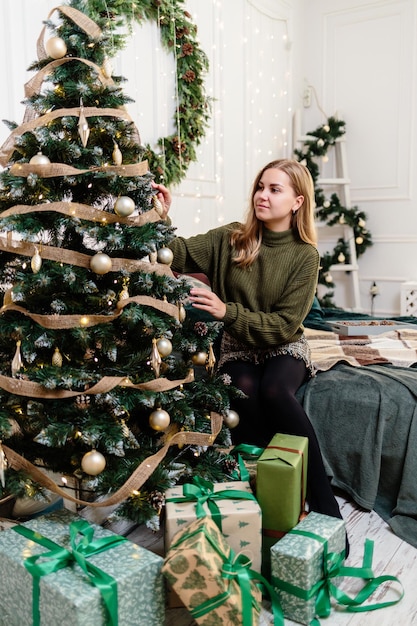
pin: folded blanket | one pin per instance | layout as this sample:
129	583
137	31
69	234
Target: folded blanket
396	347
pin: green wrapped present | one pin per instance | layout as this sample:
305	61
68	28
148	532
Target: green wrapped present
297	560
307	563
281	483
59	569
232	506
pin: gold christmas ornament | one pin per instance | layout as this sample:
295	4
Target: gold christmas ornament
107	69
17	360
36	261
199	358
93	463
341	258
101	263
164	346
182	314
155	359
83	128
153	257
231	419
159	419
57	358
211	360
56	48
39	159
124	206
117	155
124	293
165	256
157	205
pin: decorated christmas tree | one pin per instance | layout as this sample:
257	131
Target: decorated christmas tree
106	379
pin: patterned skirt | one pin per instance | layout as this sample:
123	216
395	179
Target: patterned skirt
233	350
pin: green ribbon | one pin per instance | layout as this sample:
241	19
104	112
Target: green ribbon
202	492
333	566
57	557
235	567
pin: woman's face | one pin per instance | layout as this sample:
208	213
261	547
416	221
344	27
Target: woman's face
275	200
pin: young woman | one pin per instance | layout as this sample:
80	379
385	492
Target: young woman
263	273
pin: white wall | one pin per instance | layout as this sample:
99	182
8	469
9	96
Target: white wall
359	57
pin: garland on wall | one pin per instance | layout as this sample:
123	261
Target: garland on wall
330	210
174	153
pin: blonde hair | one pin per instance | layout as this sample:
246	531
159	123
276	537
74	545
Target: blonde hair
247	239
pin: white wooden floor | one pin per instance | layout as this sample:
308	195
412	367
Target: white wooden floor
391	556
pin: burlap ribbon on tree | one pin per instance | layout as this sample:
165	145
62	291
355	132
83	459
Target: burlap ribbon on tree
136	480
83	212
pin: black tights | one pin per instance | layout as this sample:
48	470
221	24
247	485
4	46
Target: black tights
271	407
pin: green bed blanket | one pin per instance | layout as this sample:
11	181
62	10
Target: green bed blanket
366	422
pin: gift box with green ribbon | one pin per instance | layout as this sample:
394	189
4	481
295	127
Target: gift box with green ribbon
281	482
305	564
232	506
59	569
216	585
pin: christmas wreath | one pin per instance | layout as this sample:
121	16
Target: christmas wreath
174	153
330	210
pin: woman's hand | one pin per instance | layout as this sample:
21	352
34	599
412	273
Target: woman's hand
206	300
164	197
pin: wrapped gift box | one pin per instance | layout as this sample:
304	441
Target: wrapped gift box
281	483
196	567
241	521
297	562
67	596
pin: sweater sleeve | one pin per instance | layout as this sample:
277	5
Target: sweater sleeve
283	323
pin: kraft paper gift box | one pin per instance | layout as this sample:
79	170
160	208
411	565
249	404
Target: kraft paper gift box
281	483
297	562
198	568
239	517
67	596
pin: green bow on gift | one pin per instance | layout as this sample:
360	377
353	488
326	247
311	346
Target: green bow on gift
57	557
325	589
201	491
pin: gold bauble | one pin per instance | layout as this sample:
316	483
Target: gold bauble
164	346
101	263
124	206
159	419
117	155
199	358
93	462
157	205
36	262
56	48
182	313
39	159
107	68
231	419
57	358
165	256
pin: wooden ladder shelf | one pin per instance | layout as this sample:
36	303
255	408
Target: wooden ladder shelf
340	184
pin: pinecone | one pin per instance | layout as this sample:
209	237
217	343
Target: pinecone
157	500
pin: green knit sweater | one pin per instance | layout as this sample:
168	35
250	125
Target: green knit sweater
267	302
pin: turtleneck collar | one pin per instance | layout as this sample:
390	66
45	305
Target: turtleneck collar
272	238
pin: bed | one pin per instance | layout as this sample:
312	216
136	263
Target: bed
363	405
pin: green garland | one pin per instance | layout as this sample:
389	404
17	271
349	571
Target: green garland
193	109
330	210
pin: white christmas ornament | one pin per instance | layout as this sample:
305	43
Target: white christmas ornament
124	206
39	159
231	419
165	256
93	462
101	263
56	48
159	419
